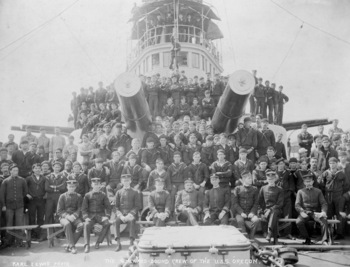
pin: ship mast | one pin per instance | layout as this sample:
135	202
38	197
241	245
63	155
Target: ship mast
176	30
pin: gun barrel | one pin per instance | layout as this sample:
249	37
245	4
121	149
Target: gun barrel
134	106
49	129
310	123
232	103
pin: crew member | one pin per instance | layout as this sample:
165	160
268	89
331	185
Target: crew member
271	202
245	205
305	139
96	211
159	203
280	100
12	192
69	212
189	203
36	193
247	138
217	202
309	202
127	204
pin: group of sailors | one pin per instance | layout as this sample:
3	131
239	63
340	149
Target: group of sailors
171	98
267	97
189	28
174	97
178	96
186	171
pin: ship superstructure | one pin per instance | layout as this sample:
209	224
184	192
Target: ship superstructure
190	23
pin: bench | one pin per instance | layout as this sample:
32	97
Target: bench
287	221
27	229
294	220
51	236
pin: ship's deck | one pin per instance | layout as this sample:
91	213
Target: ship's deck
40	255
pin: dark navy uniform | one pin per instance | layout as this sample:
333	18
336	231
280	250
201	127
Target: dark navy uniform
260	96
127	201
83	184
36	206
248	138
95	207
55	185
226	172
70	203
306	140
216	200
266	138
270	100
159	202
286	182
279	100
245	200
189	205
271	202
309	201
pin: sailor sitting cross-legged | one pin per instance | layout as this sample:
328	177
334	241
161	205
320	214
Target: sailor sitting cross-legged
189	203
96	211
271	203
69	211
309	202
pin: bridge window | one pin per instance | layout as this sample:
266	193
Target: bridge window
166	59
195	60
155	60
203	63
182	58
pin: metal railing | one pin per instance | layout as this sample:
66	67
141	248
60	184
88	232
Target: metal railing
187	34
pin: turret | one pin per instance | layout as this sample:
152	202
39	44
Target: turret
133	104
232	103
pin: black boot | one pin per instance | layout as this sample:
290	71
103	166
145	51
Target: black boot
119	246
87	248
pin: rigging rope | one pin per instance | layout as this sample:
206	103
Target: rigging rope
39	26
311	25
288	52
82	48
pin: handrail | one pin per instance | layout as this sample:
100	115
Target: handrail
187	34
